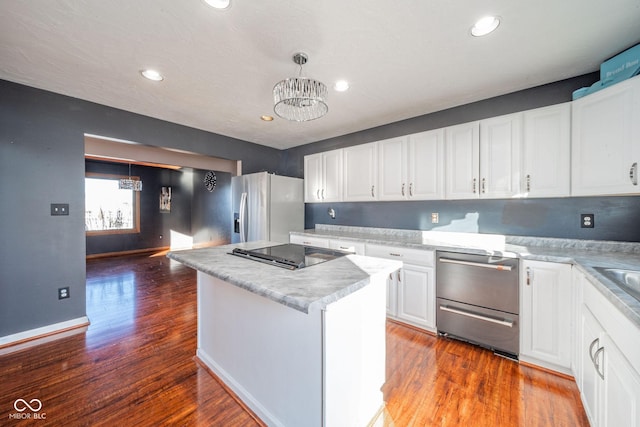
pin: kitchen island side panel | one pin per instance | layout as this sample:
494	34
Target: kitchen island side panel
269	355
323	368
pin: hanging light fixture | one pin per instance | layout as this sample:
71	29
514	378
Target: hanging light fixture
130	184
300	99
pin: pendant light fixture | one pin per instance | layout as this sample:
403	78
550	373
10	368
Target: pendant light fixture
300	99
130	184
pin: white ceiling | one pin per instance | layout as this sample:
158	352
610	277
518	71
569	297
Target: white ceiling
403	59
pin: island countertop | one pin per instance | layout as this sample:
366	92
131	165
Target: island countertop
305	289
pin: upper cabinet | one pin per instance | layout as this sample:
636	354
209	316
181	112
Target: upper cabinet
546	151
483	158
606	141
411	167
323	177
462	160
500	143
360	173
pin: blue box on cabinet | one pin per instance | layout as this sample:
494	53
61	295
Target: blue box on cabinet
614	70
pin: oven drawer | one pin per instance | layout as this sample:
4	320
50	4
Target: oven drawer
489	328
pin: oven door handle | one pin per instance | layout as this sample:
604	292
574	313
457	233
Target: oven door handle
477	316
498	267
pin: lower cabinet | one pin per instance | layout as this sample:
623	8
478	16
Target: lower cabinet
546	314
411	290
608	377
318	242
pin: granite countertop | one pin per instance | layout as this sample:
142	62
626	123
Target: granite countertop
305	289
584	254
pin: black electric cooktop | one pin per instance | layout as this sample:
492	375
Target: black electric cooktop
289	255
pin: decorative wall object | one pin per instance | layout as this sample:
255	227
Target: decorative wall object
165	199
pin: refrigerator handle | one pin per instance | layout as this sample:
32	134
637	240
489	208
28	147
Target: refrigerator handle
243	210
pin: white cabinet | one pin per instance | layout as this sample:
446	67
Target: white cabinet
546	315
411	291
546	152
606	141
462	161
323	177
318	242
412	167
483	158
500	143
609	362
360	172
392	169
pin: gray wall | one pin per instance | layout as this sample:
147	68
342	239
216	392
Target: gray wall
42	162
211	211
614	216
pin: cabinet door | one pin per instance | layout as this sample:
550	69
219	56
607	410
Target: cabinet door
360	170
416	298
500	142
545	314
332	176
621	395
591	334
347	246
462	161
426	165
392	169
392	294
546	157
312	178
606	141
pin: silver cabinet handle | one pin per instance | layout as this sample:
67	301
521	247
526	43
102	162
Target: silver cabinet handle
476	316
528	183
403	188
399	277
529	276
322	194
411	189
395	254
591	355
318	194
633	174
474	186
498	267
597	364
484	182
372	193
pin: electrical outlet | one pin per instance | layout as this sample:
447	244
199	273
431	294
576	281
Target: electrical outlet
435	218
59	209
587	220
63	293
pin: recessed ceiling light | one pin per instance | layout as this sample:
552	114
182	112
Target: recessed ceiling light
266	118
485	25
341	85
218	4
152	75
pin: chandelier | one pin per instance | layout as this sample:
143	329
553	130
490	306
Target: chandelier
130	184
300	99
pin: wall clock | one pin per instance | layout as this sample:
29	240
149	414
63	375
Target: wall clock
210	180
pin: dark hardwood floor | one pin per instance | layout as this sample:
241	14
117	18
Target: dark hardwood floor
134	366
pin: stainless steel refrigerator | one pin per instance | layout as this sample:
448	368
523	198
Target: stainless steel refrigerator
266	207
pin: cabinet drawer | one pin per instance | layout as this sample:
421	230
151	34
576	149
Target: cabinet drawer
347	246
410	256
309	241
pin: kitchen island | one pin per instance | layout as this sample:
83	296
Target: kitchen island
298	347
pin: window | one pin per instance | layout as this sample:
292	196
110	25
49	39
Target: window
108	209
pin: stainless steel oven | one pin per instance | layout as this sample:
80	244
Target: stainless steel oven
477	300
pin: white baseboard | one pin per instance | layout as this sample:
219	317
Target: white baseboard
261	412
25	339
